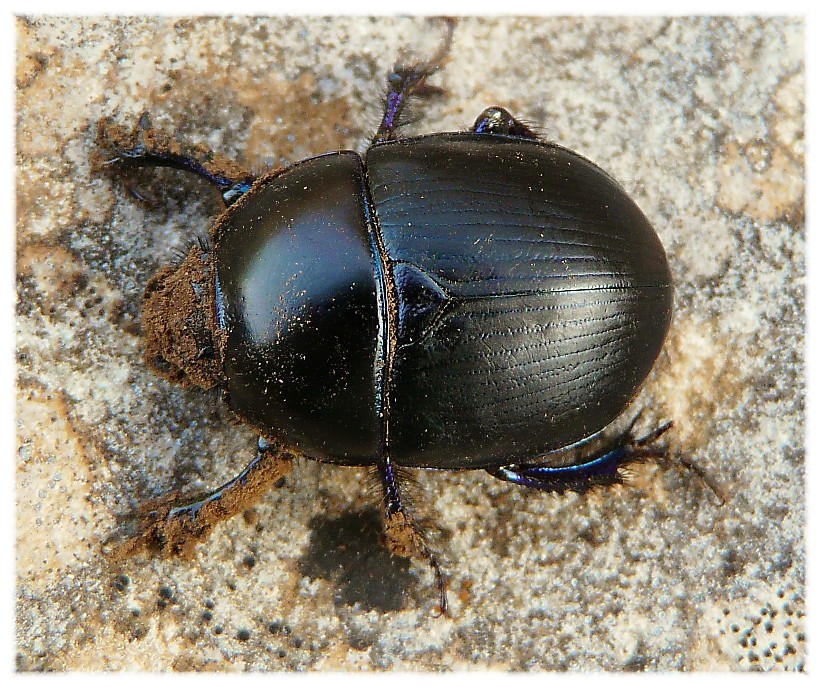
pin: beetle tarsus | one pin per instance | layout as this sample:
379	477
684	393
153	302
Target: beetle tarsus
604	467
144	146
404	538
172	525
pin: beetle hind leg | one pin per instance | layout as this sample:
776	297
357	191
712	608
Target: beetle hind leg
144	146
604	467
173	525
404	538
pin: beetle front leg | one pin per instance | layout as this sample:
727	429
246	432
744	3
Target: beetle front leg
497	120
601	468
172	525
403	535
144	146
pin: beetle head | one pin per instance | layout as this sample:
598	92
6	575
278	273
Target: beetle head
178	322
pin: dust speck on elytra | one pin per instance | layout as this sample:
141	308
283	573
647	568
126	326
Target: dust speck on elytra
348	551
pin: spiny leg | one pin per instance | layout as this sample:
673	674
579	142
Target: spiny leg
407	81
172	524
403	535
144	146
600	468
497	120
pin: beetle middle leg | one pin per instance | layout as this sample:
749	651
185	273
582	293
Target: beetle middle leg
146	147
172	524
403	535
497	120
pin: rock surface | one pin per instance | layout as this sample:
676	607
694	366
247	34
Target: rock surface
702	121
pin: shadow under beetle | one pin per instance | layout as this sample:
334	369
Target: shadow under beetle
476	299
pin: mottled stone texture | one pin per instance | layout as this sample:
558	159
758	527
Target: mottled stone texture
701	119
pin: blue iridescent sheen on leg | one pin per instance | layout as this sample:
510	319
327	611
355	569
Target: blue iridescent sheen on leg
407	81
497	120
173	524
145	147
192	509
603	468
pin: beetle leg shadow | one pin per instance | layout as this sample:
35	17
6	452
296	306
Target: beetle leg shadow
404	538
172	524
407	81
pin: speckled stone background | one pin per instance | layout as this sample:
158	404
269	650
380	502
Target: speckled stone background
701	119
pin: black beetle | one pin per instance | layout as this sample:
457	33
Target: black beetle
466	300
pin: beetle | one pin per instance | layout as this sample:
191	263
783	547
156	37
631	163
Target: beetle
480	299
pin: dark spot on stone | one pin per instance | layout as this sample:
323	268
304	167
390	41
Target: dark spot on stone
249	561
361	638
166	592
207	616
349	552
243	635
162	603
638	662
121	582
282	653
278	484
218	630
209	604
296	643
